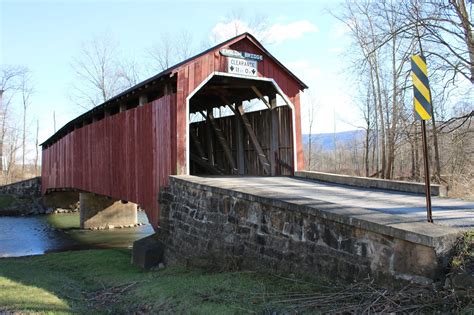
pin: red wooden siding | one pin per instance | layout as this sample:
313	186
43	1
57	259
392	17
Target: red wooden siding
193	73
126	156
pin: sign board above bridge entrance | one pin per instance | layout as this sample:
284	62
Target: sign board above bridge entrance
240	54
242	66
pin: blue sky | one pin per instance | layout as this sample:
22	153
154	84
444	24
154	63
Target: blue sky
45	36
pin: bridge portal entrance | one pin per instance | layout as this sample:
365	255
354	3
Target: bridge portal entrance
240	126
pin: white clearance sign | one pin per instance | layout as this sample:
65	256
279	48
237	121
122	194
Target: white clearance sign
242	66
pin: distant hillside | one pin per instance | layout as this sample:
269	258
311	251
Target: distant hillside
326	140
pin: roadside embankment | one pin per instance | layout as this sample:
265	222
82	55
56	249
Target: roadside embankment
22	198
104	282
25	198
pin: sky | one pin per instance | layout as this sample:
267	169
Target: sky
46	36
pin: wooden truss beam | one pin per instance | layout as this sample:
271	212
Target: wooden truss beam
222	140
239	111
239	144
197	145
204	163
260	96
239	138
274	141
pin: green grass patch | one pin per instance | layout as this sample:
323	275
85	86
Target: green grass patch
70	223
64	220
6	201
103	281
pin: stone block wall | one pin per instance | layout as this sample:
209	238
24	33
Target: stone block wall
27	199
28	187
207	225
24	197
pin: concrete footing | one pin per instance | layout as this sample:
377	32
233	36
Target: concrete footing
98	211
148	252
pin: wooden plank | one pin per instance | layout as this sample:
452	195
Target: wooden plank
260	96
274	135
239	137
197	144
204	163
209	144
180	131
253	139
222	141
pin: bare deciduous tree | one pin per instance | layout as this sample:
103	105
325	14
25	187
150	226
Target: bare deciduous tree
10	85
26	91
37	147
11	149
184	45
171	49
241	22
311	115
386	34
101	72
162	52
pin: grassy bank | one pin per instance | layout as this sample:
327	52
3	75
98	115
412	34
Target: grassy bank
103	281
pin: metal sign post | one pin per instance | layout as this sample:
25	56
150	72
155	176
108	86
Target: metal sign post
422	102
427	173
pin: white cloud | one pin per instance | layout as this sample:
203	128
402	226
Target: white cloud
278	33
273	34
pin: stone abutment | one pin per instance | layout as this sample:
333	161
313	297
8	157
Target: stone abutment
206	225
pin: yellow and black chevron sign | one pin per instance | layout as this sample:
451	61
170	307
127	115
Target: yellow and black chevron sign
421	87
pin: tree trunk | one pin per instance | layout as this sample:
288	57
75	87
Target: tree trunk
23	142
437	164
393	125
417	154
382	122
461	11
413	167
375	147
36	147
366	152
2	135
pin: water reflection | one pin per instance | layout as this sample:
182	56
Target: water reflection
36	235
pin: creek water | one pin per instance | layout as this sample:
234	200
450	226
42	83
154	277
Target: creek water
40	234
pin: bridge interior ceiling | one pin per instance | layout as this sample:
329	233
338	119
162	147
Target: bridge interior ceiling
230	137
219	90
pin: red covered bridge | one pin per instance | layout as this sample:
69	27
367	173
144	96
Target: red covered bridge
232	110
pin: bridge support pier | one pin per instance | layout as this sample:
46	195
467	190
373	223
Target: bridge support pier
101	212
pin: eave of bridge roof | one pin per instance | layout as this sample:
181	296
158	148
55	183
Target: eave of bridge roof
166	75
